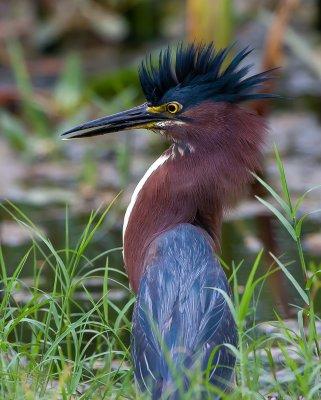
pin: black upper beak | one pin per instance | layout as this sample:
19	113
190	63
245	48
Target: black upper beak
135	117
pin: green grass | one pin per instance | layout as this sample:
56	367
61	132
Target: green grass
56	347
51	340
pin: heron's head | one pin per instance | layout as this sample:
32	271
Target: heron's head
185	90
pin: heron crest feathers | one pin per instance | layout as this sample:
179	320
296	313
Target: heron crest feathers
214	73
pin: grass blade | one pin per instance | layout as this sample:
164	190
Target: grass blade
280	217
301	292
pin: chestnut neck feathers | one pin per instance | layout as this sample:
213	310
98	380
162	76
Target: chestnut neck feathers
204	172
192	98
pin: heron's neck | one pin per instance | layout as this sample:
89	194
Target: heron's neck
189	183
136	199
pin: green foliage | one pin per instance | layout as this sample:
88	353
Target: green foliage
52	346
44	114
111	84
13	131
70	89
55	347
32	110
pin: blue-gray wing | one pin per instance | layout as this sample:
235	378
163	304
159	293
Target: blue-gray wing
181	321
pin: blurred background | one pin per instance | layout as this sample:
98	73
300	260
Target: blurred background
64	62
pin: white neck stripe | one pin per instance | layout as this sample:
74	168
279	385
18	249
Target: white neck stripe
161	160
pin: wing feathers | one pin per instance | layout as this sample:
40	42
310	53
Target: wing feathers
179	318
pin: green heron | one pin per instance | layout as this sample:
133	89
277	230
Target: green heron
181	320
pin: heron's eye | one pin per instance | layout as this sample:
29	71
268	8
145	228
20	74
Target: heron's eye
173	107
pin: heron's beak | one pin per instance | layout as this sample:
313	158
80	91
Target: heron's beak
137	117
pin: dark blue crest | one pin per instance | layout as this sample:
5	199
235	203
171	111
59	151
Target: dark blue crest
199	72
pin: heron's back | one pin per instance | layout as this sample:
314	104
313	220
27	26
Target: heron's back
181	322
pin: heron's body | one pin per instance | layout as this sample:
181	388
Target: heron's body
182	324
180	317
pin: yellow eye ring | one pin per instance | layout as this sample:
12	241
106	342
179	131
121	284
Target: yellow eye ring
173	107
